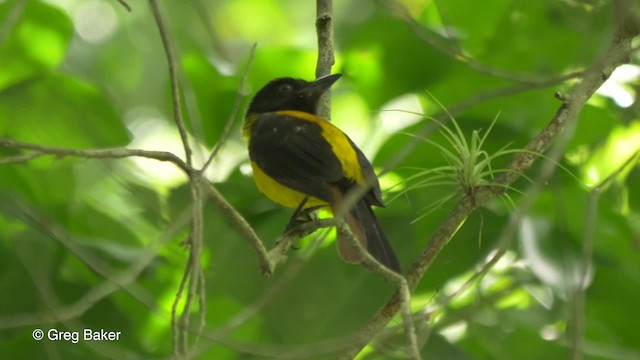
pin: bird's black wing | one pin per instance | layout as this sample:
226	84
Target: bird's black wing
374	196
294	153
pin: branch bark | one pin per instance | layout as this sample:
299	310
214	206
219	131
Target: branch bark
115	153
324	30
175	83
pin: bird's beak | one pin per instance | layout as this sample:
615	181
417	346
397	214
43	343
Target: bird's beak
316	88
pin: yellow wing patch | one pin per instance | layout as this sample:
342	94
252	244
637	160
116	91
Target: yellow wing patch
280	193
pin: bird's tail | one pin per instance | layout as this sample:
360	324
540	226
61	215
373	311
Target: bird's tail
366	228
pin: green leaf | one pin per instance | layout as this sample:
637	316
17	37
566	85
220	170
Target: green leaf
216	109
37	41
382	67
60	110
593	123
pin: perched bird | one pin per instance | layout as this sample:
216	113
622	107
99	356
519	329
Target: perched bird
301	160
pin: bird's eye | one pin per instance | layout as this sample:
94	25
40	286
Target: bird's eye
285	88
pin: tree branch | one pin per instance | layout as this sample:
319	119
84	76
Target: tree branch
114	153
444	116
124	5
175	84
566	117
324	30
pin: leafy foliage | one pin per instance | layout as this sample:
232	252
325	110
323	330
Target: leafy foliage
72	228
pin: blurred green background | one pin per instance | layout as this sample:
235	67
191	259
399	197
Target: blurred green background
89	75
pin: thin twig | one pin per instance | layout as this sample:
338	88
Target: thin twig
285	241
591	219
179	346
193	267
282	245
202	308
17	159
175	84
403	289
124	4
198	189
114	153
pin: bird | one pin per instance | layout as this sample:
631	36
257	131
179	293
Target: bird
302	161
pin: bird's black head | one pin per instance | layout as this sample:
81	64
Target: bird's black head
291	94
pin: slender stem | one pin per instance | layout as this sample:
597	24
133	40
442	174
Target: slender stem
115	153
591	219
175	84
124	5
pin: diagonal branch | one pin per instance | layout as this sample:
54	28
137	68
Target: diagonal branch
444	116
628	27
124	5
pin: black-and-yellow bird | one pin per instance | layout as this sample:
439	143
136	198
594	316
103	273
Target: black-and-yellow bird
297	155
